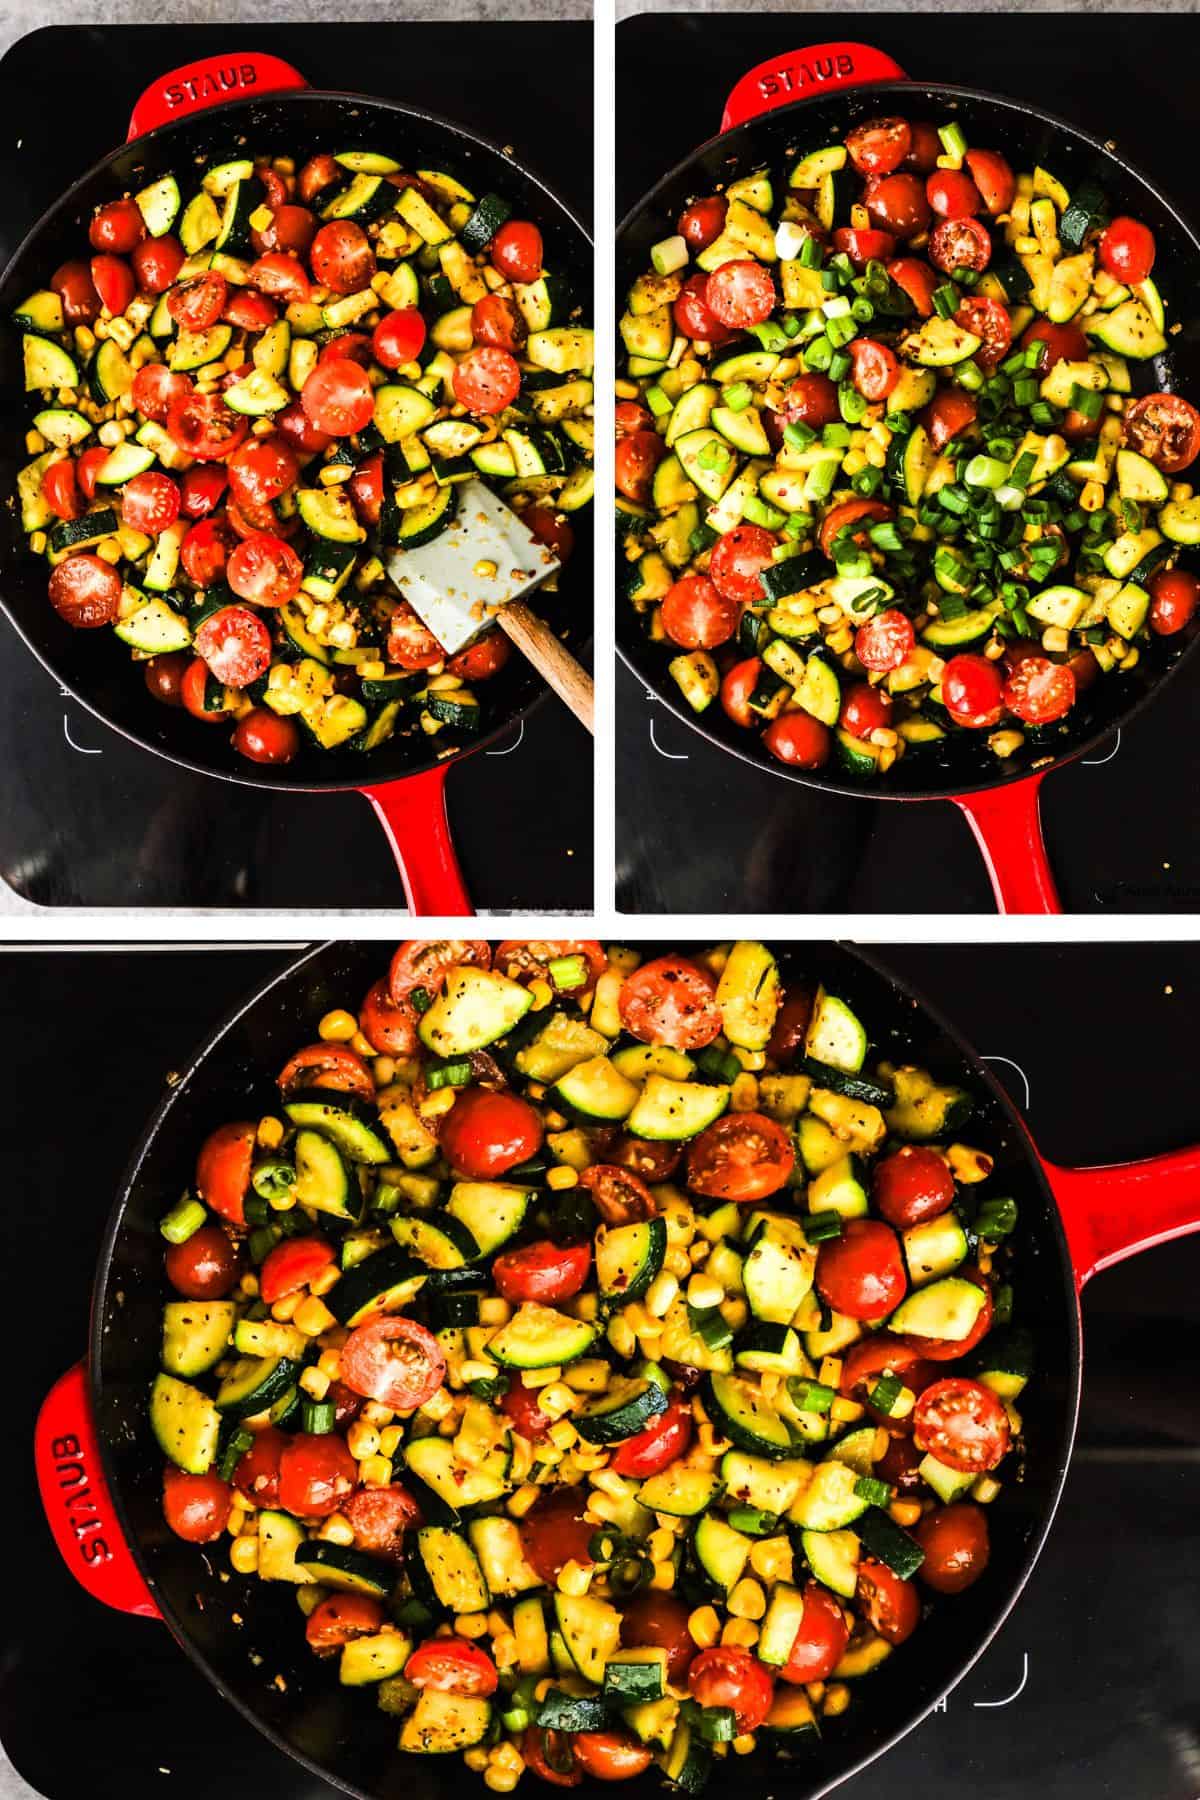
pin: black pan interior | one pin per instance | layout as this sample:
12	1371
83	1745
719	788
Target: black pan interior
337	1731
962	762
94	665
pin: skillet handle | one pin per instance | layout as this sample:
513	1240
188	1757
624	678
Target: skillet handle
1114	1212
1007	824
412	812
210	81
802	74
78	1506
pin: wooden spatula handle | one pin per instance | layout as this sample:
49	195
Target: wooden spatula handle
549	656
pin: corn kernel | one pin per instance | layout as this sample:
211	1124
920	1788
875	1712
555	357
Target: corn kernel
310	1596
664	1577
743	1095
985	1490
704	1627
501	1781
330	1363
438	1406
661	1293
327	1279
362	1046
771	1559
831	1371
846	1411
270	1132
284	1310
477	1759
905	1512
362	1441
556	1399
338	1026
740	1631
315	1384
563	1434
243	1554
661	1544
336	1530
507	1756
574	1578
312	1317
562	1178
376	1471
471	1625
518	1504
494	1310
703	1291
747	1600
540	1378
837	1699
504	1650
745	1744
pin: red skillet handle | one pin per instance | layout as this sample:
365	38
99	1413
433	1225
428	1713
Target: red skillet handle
1008	829
1114	1212
79	1508
209	82
412	812
821	69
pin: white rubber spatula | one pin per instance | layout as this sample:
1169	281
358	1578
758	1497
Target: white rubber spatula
475	574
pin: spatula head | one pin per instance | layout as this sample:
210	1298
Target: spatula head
483	559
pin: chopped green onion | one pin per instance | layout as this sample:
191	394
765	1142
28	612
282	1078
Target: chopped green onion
1002	1304
953	499
969	375
839	365
866	483
791	325
951	606
810	1396
568	972
702	538
835	437
862	311
273	1179
670	255
708	1322
317	1416
420	999
810	253
851	403
884	1395
759	512
797	525
449	1074
770	335
817	355
996	1219
488	1387
721	1065
713	456
1087	401
1025	390
798	434
659	403
840	331
953	141
884	536
233	1451
1021	473
946	300
753	1520
817	1227
183	1221
718	1724
262	1241
985	472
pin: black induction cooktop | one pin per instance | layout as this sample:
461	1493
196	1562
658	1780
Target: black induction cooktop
699	831
1089	1689
90	820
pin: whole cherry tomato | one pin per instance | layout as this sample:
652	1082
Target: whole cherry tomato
799	740
1173	599
1127	250
956	1545
861	1273
484	1134
119	227
196	1507
702	223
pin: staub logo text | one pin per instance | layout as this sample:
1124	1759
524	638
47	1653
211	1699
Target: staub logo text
71	1473
211	83
795	76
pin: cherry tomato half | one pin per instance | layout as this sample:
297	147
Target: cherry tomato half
821	1640
737	685
487	380
235	644
878	146
973	691
555	1532
619	1195
398	338
1173	599
395	1361
670	1001
911	1185
663	1441
897	203
960	244
342	257
424	964
520	1405
610	1755
736	564
891	1606
885	641
696	614
388	1028
742	1157
811	400
338	397
292	1265
545	1271
452	1665
264	570
223	1169
1040	691
799	740
195	305
516	250
702	223
380	1516
119	227
692	314
1127	250
917	280
952	194
963	1424
1165	428
638	454
257	1472
341	1618
741	293
727	1675
324	1065
149	502
204	427
865	709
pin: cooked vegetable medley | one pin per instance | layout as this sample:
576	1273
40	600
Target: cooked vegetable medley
257	386
615	1354
878	448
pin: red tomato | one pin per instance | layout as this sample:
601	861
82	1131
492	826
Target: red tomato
791	1025
697	615
545	1272
201	490
299	431
395	1361
113	281
549	1755
670	1001
637	457
482	659
963	1424
452	1665
398	338
316	1474
738	560
663	1441
149	503
88	467
193	691
865	709
883	1354
266	468
850	512
164	675
388	1028
736	688
280	276
235	644
692	314
864	246
914	1183
956	1545
519	1404
797	739
742	1156
619	1195
118	226
424	964
516	250
338	397
196	1507
487	380
342	258
992	176
729	1676
1173	598
85	591
897	203
973	691
891	1607
223	1170
900	1466
73	284
292	228
410	642
950	411
496	320
60	490
741	293
249	310
821	1640
989	321
960	244
917	280
156	263
204	427
205	551
318	173
952	195
654	1620
926	148
610	1755
340	1619
292	1265
366	489
325	1065
879	145
811	400
1165	428
861	1273
485	1133
553	530
523	958
1040	691
885	641
702	223
380	1516
257	1472
1127	250
195	305
204	1267
628	416
264	569
1061	341
555	1532
876	370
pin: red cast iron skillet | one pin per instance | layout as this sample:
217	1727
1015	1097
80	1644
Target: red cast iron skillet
784	107
202	113
101	1473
